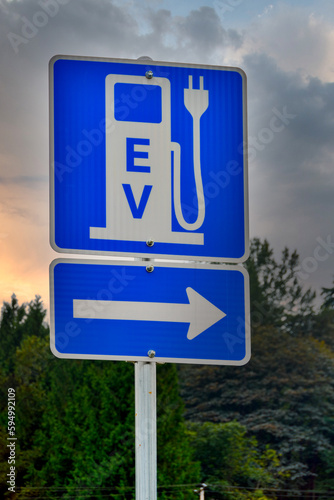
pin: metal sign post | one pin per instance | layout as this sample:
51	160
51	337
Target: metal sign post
147	159
146	430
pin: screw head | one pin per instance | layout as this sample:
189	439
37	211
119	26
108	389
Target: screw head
150	268
149	74
150	243
151	353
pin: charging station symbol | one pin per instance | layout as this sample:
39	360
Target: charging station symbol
143	165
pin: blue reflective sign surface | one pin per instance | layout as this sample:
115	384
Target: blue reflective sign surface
134	159
103	310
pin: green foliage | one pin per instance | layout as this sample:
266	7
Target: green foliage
86	436
22	361
176	464
11	330
277	296
324	328
87	431
229	458
325	480
17	323
328	294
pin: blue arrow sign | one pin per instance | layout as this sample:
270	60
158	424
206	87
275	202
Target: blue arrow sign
121	311
147	159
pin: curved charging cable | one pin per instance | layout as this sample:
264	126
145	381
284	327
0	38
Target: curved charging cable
196	101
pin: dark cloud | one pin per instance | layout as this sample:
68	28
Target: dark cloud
298	37
30	28
204	34
198	35
310	100
83	27
203	27
291	158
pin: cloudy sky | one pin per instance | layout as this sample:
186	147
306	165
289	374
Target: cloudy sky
285	48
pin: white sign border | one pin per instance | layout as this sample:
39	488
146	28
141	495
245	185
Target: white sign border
150	255
156	359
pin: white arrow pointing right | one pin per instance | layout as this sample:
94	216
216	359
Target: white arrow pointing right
199	312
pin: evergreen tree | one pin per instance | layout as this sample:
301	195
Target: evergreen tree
176	463
328	303
11	330
86	437
324	320
23	363
276	294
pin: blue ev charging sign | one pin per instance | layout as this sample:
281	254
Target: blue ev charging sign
148	159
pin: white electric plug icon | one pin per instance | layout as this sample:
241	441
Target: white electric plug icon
196	101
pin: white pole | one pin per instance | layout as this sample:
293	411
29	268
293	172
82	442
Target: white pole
201	491
146	430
